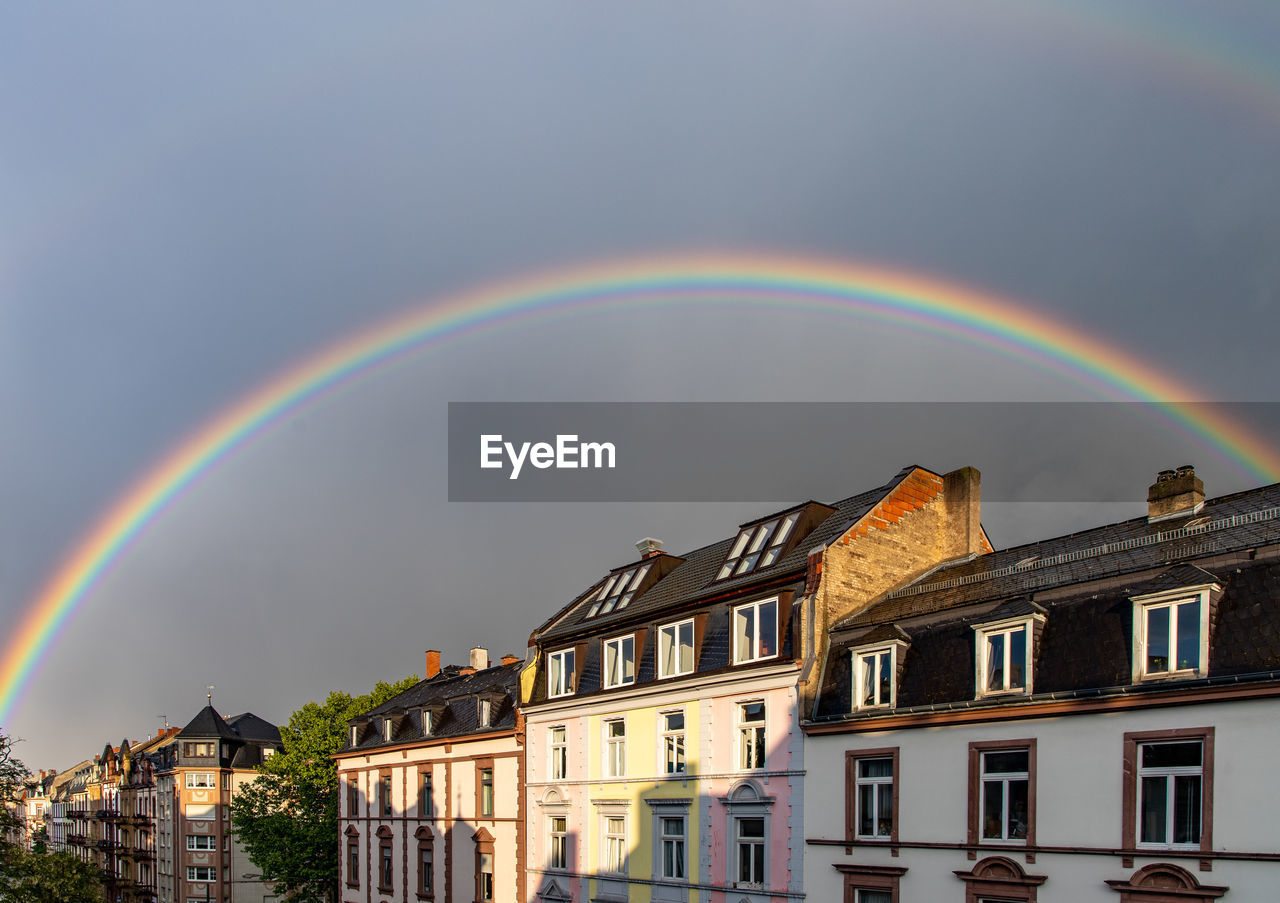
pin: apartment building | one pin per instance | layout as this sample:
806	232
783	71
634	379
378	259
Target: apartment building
432	789
1087	718
665	760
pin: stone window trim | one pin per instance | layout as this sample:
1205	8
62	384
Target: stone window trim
1132	742
426	843
1163	882
484	766
746	799
1000	876
883	878
353	847
669	807
851	759
484	842
385	854
976	749
1144	604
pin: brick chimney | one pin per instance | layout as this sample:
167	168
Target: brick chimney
433	663
1174	493
510	659
649	547
479	658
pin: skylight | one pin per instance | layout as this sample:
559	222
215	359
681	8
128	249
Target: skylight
758	546
617	591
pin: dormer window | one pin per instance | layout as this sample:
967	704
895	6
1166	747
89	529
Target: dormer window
620	662
617	591
485	711
355	735
561	678
1171	634
388	727
1004	652
875	671
426	722
758	546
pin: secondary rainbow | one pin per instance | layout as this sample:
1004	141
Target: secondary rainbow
733	281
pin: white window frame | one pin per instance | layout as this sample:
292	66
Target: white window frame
618	645
613	845
557	842
678	843
1169	773
736	856
614	748
485	712
192	845
558	752
676	739
665	667
880	785
877	650
1006	627
1143	605
568	676
751	735
744	656
1004	779
211	782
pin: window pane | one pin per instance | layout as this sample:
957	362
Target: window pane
886	678
1158	639
866	810
868	680
745	633
884	811
675	721
667	664
992	808
686	648
1154	809
1013	761
751	828
628	660
1189	635
768	628
1017	659
995	661
1017	827
1186	809
873	896
875	768
1171	755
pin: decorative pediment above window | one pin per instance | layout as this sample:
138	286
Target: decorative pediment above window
423	833
383	832
1163	881
552	892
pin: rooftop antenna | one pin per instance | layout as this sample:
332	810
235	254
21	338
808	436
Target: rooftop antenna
209	695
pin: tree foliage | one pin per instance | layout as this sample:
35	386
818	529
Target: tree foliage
287	818
47	878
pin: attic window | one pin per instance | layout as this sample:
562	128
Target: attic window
617	591
387	728
758	546
426	722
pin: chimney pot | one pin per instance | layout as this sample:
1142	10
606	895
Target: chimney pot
510	659
649	547
433	663
467	670
1174	494
479	658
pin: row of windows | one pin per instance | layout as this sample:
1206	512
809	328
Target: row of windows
1171	639
425	880
382	804
750	736
1168	794
670	830
387	726
755	638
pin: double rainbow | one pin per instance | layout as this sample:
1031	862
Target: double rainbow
760	282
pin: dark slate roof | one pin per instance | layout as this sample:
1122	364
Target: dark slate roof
694	579
1084	584
208	724
250	727
452	696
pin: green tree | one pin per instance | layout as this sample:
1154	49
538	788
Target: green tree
287	818
48	878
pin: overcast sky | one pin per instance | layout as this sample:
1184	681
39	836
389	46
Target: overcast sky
194	198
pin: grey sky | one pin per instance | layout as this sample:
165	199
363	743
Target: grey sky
193	199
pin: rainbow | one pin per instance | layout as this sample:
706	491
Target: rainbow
732	281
